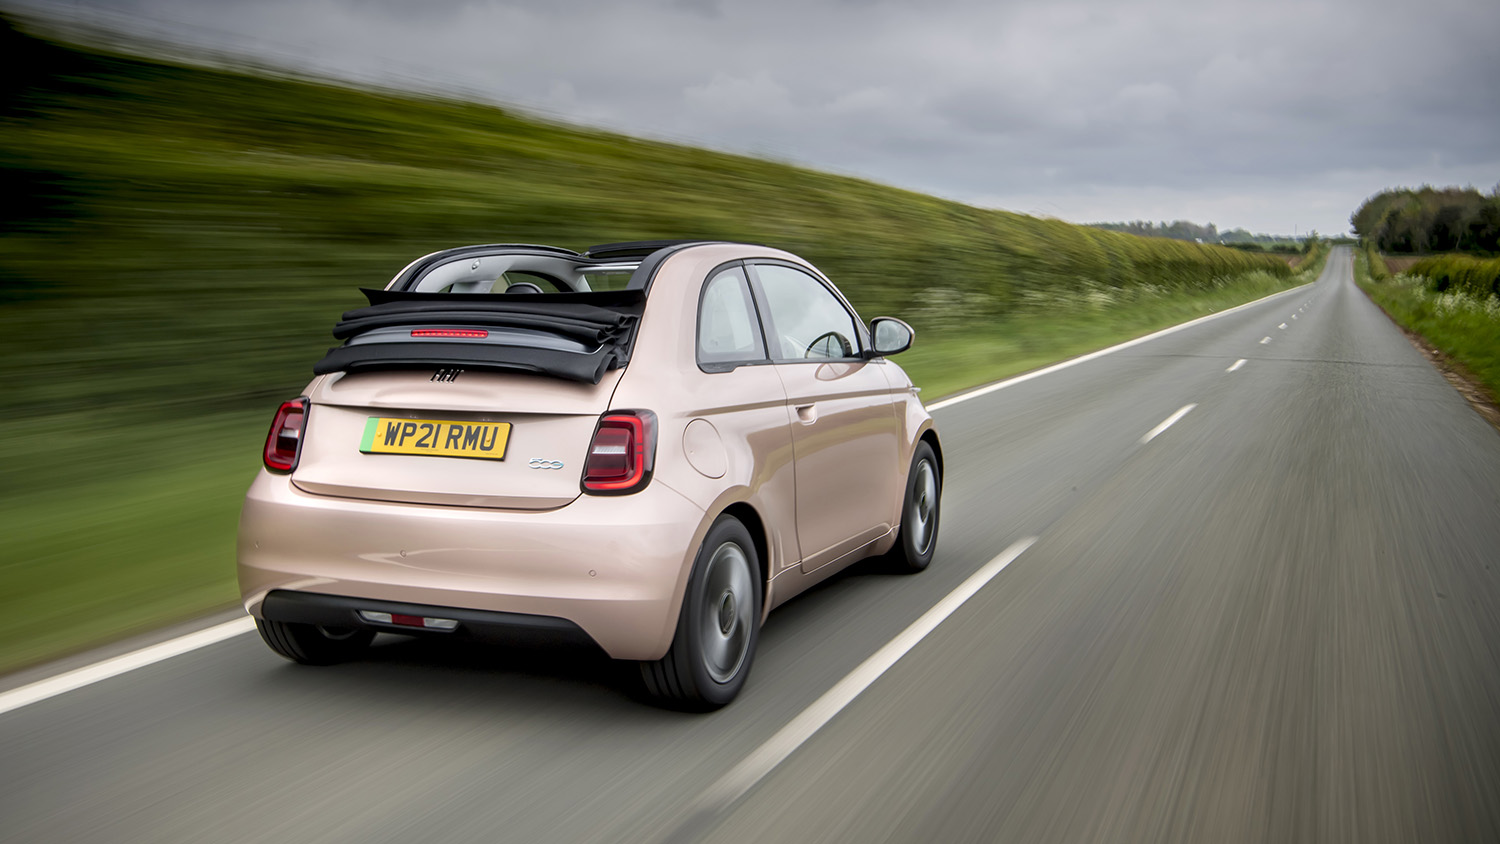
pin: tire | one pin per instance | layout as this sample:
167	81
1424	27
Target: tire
917	539
312	644
718	626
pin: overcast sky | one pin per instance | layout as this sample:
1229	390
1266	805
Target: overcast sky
1269	115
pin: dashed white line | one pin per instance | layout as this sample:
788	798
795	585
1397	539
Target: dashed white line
1265	340
1167	423
742	777
1294	316
1282	326
1236	365
67	682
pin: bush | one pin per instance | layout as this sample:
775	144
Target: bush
1477	277
1378	269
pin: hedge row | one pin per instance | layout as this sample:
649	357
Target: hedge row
1478	277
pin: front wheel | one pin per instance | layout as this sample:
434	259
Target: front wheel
313	644
917	539
717	628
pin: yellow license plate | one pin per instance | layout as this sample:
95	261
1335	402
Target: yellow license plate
436	437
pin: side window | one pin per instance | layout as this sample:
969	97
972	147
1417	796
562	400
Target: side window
808	321
728	332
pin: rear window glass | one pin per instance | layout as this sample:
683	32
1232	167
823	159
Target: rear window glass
728	331
521	274
608	279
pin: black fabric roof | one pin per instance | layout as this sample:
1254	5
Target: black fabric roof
605	322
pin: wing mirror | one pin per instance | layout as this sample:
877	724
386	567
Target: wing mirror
890	335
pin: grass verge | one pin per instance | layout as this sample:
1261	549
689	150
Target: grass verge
1462	326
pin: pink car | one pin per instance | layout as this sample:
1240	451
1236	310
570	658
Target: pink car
645	446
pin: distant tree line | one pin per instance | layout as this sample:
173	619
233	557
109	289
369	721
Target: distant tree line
1184	230
1430	219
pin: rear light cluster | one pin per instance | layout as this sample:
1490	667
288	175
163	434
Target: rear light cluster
284	442
622	453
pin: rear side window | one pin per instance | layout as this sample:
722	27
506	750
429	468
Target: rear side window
728	332
806	320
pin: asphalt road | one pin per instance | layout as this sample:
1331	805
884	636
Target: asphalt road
1277	620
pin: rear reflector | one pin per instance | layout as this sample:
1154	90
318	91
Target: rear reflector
622	454
409	620
284	442
467	333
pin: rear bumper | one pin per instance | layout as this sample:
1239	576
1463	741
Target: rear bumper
613	567
502	628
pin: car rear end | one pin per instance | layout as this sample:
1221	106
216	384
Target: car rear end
424	488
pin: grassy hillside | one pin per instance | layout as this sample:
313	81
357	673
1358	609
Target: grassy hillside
176	242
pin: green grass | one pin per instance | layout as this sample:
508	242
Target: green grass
1461	325
137	548
177	241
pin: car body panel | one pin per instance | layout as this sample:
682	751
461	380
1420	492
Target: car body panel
847	450
551	422
614	566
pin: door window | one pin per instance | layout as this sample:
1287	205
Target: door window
806	320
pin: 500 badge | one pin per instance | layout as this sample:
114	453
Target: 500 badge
543	463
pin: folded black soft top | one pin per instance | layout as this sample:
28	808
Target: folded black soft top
603	323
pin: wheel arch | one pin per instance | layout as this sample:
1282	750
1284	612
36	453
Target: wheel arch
750	518
929	436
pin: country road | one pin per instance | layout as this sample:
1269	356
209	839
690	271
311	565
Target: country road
1275	619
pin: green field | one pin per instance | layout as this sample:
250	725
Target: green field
177	241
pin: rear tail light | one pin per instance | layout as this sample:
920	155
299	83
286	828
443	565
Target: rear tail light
622	454
284	442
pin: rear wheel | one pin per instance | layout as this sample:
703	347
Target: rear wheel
314	644
717	628
919	513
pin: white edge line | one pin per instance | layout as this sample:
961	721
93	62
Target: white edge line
78	678
1010	382
743	776
1167	423
1236	365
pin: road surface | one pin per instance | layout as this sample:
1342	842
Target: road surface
1275	619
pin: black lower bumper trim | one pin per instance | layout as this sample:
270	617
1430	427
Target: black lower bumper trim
506	628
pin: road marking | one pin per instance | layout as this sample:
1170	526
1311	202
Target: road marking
742	777
1294	316
89	674
1236	365
1048	370
1167	423
1265	340
1282	326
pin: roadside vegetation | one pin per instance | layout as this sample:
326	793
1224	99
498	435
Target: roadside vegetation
1430	219
1452	301
176	242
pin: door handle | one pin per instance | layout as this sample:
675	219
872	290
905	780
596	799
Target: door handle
807	413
